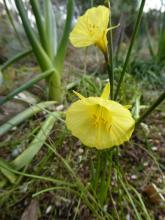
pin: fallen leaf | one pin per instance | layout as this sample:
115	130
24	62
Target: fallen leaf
154	194
31	212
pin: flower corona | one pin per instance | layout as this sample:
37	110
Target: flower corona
100	122
92	28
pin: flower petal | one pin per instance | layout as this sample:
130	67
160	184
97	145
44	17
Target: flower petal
91	28
80	36
100	123
106	92
78	94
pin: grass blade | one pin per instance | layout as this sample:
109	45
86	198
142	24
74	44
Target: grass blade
9	175
141	202
16	58
130	47
130	198
152	107
16	120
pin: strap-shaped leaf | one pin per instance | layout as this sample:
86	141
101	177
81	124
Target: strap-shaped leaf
50	29
16	120
27	85
42	57
15	59
9	175
59	59
39	21
26	157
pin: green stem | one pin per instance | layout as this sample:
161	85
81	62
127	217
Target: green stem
97	172
130	47
49	179
111	79
69	189
110	59
153	106
55	88
103	179
26	85
16	58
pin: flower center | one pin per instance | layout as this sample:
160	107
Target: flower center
92	28
102	118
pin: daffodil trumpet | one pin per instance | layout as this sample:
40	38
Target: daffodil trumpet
99	122
92	28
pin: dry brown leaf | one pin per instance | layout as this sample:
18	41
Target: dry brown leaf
154	194
31	212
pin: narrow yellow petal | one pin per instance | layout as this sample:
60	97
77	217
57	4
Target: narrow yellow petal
106	92
128	106
78	94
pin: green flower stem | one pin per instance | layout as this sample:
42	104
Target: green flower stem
111	79
102	194
153	106
130	47
110	58
16	58
26	85
96	173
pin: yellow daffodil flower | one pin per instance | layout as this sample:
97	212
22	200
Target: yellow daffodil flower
92	28
100	122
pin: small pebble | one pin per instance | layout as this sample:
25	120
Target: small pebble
48	209
154	148
133	177
145	164
60	107
15	152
